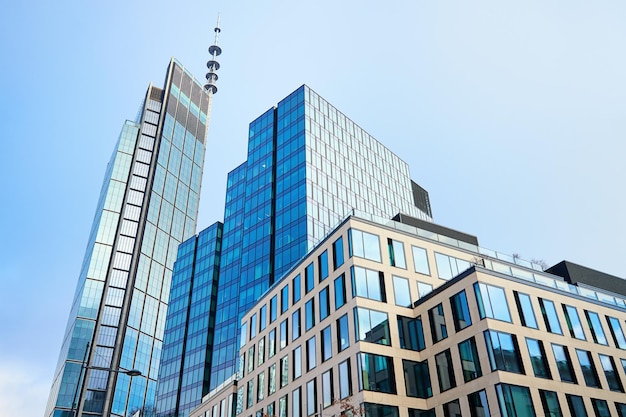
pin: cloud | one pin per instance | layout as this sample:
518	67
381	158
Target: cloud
24	389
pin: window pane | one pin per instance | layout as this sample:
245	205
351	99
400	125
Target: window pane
376	373
564	363
445	370
311	397
345	379
612	377
478	404
452	409
402	292
283	334
538	358
576	406
284	371
297	362
322	264
588	368
324	304
420	260
469	360
525	308
295	325
437	320
364	245
595	325
423	289
296	403
549	316
396	253
550	403
600	407
460	311
338	253
327	347
271	349
327	389
417	379
514	401
411	333
311	354
491	302
573	322
273	302
371	326
617	332
309	278
340	292
284	299
297	288
503	352
343	333
368	283
309	314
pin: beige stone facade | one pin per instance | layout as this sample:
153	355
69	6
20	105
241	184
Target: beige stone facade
409	323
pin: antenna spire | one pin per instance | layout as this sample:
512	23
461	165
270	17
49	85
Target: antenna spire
212	64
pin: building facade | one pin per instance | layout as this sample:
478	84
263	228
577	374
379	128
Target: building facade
386	319
148	206
308	166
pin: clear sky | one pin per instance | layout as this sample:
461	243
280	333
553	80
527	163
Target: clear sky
511	114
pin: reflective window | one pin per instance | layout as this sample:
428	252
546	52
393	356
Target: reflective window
411	333
250	394
525	309
573	322
309	314
327	389
273	309
612	377
271	386
423	289
283	334
564	363
371	326
324	304
588	368
340	292
322	265
284	371
452	409
263	318
470	363
396	253
402	292
600	408
380	410
449	267
244	334
295	324
251	359
538	358
420	260
253	326
261	355
296	402
364	245
491	302
368	283
284	299
282	406
376	373
327	344
445	370
595	325
617	332
296	288
343	336
576	405
478	404
503	352
309	278
437	320
311	397
514	401
338	253
460	311
417	379
260	387
297	362
271	339
421	413
621	409
311	354
550	403
549	316
345	379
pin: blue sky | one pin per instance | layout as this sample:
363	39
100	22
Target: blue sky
510	115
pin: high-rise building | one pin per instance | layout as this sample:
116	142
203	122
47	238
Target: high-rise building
411	319
148	206
308	167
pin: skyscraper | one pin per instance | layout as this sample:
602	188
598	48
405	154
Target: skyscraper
308	167
147	207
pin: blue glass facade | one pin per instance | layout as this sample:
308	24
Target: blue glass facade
188	338
148	206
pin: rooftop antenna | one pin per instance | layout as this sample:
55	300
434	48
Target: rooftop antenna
212	64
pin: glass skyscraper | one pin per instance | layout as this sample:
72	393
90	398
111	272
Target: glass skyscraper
147	207
308	167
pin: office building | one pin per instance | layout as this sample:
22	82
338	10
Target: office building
148	206
308	166
409	319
